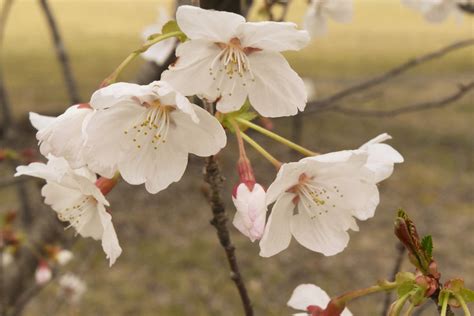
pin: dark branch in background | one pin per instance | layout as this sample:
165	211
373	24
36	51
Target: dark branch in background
213	177
467	7
396	268
61	53
331	101
4	104
463	89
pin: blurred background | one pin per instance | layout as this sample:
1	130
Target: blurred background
172	263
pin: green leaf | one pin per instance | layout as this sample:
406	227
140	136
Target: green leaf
427	246
405	288
172	26
467	294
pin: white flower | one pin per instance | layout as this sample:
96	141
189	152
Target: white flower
43	273
73	195
72	288
319	11
317	197
147	132
228	60
63	257
159	52
435	11
7	259
62	136
308	296
251	210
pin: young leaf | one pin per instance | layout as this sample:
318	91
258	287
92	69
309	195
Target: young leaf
427	246
467	294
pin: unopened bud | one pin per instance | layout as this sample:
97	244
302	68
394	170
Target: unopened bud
106	185
43	273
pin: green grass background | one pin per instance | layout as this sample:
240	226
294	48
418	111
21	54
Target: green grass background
172	264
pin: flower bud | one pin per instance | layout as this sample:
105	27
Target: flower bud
63	257
251	210
106	185
43	273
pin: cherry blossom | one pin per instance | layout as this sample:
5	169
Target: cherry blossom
150	130
62	136
310	298
319	11
43	273
63	257
159	52
73	195
7	259
435	11
249	200
228	60
318	197
72	288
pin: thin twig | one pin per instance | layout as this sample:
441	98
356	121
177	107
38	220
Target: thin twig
213	177
329	101
463	89
396	268
61	53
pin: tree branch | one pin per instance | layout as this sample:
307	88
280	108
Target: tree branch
213	177
61	53
331	100
463	89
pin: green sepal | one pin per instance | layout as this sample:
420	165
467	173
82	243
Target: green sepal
172	26
467	294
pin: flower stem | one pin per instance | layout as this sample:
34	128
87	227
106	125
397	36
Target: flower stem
444	306
463	304
349	296
261	150
114	75
276	137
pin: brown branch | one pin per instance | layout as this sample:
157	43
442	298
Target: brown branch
331	100
213	177
463	89
61	53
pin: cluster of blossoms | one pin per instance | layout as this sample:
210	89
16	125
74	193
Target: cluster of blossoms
144	134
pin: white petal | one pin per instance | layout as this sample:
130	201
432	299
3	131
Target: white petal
233	92
156	168
110	242
203	139
190	73
277	235
40	121
340	10
305	295
315	22
360	197
277	90
272	36
317	235
54	170
120	91
63	137
105	134
215	26
286	177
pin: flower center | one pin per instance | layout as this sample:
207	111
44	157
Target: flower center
317	198
75	214
152	127
232	63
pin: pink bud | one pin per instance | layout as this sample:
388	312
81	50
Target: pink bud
43	273
251	210
106	185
